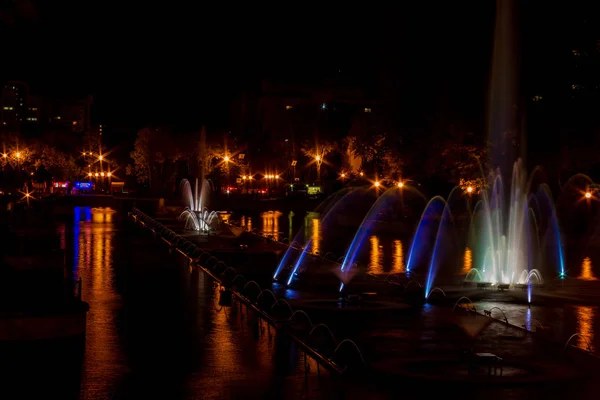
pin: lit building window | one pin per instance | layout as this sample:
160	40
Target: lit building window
288	107
367	109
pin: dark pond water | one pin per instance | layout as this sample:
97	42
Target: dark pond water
156	331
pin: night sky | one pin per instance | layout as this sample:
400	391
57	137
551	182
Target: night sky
184	62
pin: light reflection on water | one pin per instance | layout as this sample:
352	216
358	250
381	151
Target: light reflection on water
376	259
398	264
586	316
151	321
587	274
467	261
93	234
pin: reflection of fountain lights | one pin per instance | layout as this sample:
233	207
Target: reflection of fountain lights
467	261
398	260
585	324
587	273
249	224
316	235
528	319
243	220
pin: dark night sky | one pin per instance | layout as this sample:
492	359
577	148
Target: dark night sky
186	61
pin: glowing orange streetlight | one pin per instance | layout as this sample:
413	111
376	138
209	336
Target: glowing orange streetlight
226	158
377	184
100	158
89	174
343	175
362	174
470	189
4	155
400	185
96	174
18	154
588	195
109	174
276	176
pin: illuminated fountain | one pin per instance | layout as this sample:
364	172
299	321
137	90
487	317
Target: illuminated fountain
196	214
513	237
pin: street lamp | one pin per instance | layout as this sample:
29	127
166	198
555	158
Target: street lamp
377	183
100	158
470	189
588	195
96	174
319	161
400	185
226	158
89	174
108	174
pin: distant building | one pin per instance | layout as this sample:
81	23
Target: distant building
20	109
14	99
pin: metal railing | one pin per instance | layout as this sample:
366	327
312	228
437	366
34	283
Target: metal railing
218	271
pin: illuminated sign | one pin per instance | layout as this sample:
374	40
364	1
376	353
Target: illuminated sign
83	185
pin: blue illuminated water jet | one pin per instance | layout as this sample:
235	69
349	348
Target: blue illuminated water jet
418	242
363	230
433	264
326	205
325	218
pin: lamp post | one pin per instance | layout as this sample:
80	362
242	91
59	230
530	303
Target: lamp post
319	161
226	159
